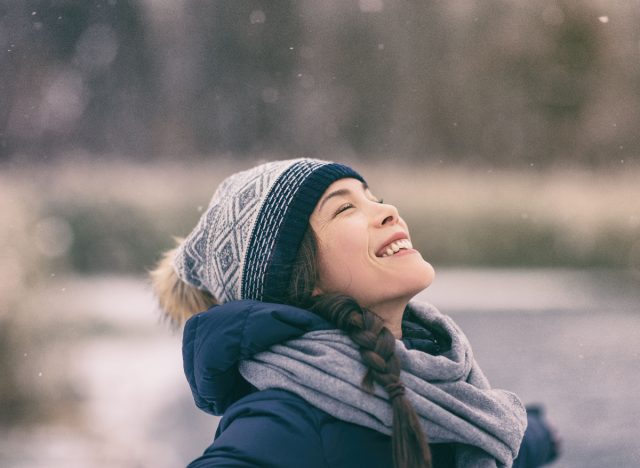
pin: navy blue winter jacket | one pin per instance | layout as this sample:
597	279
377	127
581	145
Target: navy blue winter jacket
275	428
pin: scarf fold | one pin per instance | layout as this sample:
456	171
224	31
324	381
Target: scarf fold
450	393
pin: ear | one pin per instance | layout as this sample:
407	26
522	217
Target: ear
317	291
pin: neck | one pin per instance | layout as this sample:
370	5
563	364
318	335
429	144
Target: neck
391	313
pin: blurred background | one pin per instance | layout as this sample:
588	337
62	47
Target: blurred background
507	133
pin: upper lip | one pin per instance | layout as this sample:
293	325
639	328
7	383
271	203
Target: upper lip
395	237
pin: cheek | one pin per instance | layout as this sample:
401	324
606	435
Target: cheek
336	269
342	262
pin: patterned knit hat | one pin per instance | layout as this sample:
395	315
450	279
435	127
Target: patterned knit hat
246	242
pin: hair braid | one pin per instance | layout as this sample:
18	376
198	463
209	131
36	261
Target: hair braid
377	348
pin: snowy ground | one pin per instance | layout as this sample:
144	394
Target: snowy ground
569	340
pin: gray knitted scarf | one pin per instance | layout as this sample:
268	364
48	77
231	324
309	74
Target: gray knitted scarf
449	392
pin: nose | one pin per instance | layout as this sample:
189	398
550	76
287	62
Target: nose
388	214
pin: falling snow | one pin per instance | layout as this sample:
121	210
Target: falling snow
257	17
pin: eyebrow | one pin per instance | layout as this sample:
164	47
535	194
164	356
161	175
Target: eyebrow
339	193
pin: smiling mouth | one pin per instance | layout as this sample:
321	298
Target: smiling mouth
395	247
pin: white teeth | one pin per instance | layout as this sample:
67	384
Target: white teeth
396	246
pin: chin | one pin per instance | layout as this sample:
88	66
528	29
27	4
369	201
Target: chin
421	276
417	282
430	275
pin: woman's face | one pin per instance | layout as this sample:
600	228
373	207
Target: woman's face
364	248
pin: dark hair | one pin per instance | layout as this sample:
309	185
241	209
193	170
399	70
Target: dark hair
377	345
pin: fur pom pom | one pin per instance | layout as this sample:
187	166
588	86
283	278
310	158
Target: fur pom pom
177	299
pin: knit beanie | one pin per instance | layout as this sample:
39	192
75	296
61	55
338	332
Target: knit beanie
247	240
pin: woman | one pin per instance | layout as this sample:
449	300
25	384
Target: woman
315	353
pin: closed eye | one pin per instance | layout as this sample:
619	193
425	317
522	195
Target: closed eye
342	208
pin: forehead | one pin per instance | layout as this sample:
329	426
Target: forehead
342	184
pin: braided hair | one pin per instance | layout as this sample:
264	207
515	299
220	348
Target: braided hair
376	344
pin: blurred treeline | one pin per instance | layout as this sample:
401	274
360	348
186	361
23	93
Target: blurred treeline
508	83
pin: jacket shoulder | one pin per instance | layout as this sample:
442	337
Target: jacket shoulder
215	341
267	428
